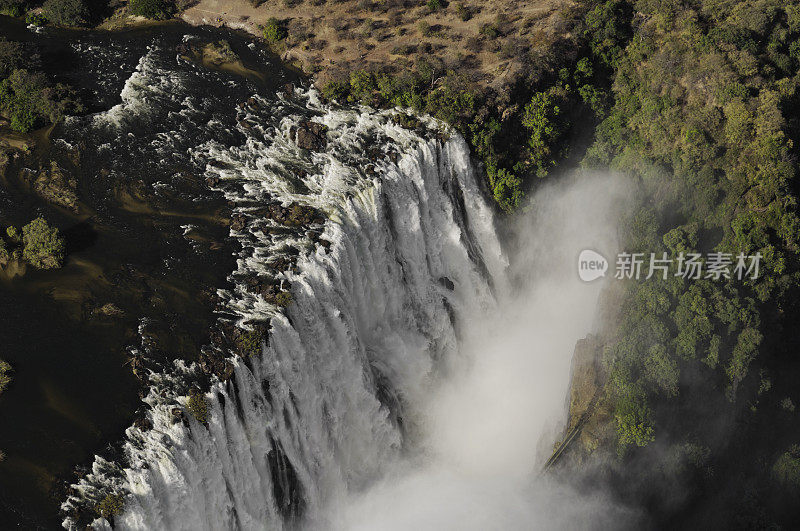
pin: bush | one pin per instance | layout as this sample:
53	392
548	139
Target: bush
12	8
434	5
13	233
786	469
43	246
111	505
28	100
249	341
152	9
12	57
283	299
274	30
35	19
335	90
490	30
543	117
463	12
198	406
66	12
5	379
634	420
506	188
424	28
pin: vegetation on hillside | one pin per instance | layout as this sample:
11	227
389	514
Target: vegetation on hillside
84	13
695	100
67	12
703	115
152	9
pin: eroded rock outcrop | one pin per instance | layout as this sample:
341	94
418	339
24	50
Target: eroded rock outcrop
309	135
589	412
55	185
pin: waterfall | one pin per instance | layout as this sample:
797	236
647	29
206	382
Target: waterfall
377	317
406	385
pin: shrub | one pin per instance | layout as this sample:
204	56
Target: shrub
12	57
28	100
787	468
334	90
111	505
490	30
249	341
506	188
463	12
362	87
274	30
13	233
66	12
43	246
283	299
434	5
634	420
5	379
152	9
424	28
198	406
35	19
12	8
543	117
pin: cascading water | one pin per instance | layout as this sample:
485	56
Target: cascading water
375	316
406	385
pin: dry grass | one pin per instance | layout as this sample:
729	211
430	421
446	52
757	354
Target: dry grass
334	37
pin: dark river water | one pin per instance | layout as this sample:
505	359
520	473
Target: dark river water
149	238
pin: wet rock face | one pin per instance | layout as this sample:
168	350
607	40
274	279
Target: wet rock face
589	409
56	186
295	215
309	135
586	377
143	423
238	222
213	362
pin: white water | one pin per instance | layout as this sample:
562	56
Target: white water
383	400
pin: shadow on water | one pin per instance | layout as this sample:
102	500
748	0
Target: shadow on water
79	237
130	256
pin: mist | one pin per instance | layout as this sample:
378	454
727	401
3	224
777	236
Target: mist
485	429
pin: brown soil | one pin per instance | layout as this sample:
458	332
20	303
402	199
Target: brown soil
333	39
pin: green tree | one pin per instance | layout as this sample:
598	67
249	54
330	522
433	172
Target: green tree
29	100
66	12
12	57
152	9
786	469
543	117
634	420
274	30
43	246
